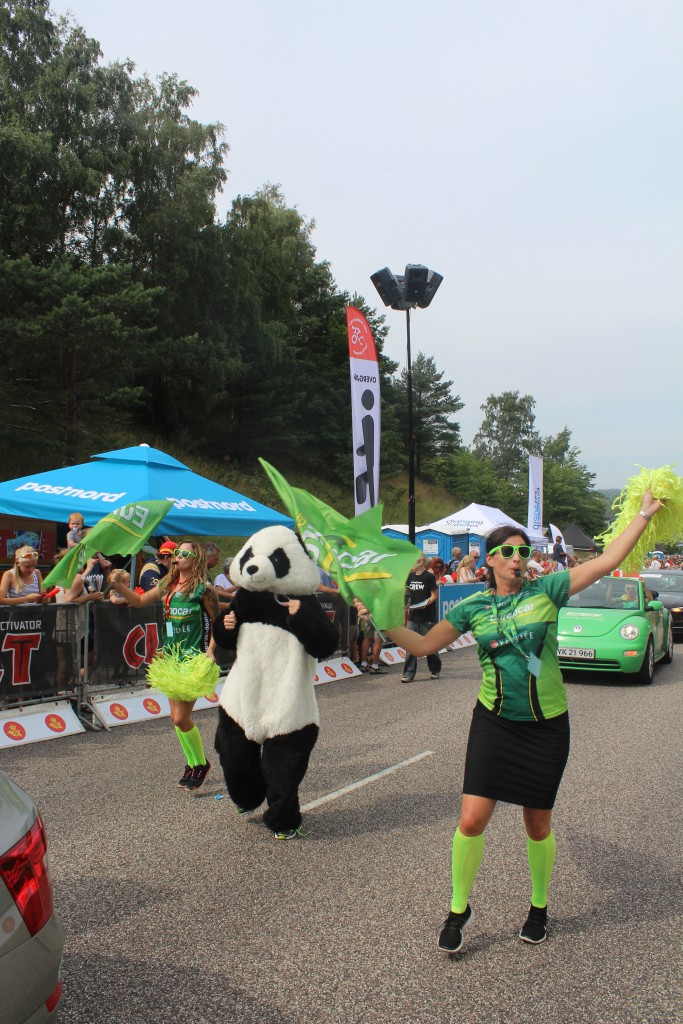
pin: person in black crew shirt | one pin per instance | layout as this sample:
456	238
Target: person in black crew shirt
423	592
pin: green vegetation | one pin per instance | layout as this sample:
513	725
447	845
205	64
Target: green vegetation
129	312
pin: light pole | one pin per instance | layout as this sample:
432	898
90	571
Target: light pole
416	287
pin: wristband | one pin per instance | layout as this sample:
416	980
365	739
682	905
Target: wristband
645	516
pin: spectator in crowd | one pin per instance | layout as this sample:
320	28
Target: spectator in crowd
114	597
371	650
153	571
213	554
70	627
437	566
96	572
534	566
466	570
77	530
23	583
223	585
456	555
559	554
422	596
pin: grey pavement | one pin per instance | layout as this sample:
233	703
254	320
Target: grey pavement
178	909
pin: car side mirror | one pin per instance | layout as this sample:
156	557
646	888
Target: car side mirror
655	606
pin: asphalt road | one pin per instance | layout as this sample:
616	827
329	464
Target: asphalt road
178	910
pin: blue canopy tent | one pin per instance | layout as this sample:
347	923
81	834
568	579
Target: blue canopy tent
112	479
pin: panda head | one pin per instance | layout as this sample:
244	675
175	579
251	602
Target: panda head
275	559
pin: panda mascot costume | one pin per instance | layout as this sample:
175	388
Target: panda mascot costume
268	714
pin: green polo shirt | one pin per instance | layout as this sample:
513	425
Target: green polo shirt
187	624
517	647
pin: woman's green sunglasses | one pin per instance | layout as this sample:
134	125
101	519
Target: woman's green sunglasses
183	553
508	550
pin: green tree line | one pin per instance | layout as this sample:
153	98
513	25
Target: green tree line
127	308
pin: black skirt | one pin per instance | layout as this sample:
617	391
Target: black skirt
518	762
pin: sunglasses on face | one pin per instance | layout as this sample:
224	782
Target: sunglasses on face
183	553
508	550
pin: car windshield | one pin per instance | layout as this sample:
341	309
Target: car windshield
611	593
664	584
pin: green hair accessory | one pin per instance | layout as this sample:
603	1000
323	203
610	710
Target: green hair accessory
183	677
668	523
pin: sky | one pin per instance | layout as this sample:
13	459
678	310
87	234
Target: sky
530	151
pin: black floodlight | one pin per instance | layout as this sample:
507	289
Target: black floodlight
388	288
433	282
417	287
416	283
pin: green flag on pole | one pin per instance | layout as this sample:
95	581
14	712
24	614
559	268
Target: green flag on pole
121	532
356	554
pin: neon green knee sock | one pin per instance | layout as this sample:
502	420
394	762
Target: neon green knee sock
187	749
193	738
466	858
541	856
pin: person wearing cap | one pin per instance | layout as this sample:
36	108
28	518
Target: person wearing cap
157	568
22	584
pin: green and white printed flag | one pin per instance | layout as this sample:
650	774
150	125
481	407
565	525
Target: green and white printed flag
121	532
356	554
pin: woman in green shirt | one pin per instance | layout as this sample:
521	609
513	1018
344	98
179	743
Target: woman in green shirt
519	737
190	606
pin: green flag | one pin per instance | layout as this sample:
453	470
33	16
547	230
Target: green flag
356	554
121	532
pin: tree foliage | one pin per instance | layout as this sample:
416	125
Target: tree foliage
127	309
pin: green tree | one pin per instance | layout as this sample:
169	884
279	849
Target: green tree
568	492
433	404
71	338
507	436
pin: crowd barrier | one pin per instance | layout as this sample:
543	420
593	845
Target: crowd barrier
60	664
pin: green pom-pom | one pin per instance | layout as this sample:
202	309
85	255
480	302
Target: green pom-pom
666	487
181	676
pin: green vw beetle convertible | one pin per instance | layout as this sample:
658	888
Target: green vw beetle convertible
615	625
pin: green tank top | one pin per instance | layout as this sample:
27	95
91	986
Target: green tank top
517	647
187	624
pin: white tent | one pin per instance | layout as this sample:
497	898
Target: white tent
481	520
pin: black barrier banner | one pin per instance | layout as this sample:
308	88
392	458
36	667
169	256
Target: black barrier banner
337	612
38	655
124	642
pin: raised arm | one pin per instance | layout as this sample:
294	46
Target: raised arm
581	576
440	635
133	599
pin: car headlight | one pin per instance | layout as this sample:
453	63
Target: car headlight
629	631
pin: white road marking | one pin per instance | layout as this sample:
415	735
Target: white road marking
364	782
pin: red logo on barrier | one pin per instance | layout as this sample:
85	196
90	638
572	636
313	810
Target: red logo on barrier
347	668
401	651
22	647
330	671
151	706
55	722
317	678
14	731
213	698
118	711
150	634
388	655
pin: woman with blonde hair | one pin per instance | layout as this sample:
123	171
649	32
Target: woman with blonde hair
22	584
190	606
466	573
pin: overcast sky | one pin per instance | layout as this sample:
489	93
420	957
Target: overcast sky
528	150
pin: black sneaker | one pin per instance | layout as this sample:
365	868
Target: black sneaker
450	939
199	773
377	670
407	679
535	927
435	675
186	776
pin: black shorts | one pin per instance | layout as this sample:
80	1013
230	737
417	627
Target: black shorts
517	762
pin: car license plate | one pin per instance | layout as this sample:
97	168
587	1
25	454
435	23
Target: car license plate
576	652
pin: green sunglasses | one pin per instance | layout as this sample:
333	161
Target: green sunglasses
183	553
508	550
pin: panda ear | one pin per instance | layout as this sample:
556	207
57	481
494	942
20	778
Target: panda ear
246	557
